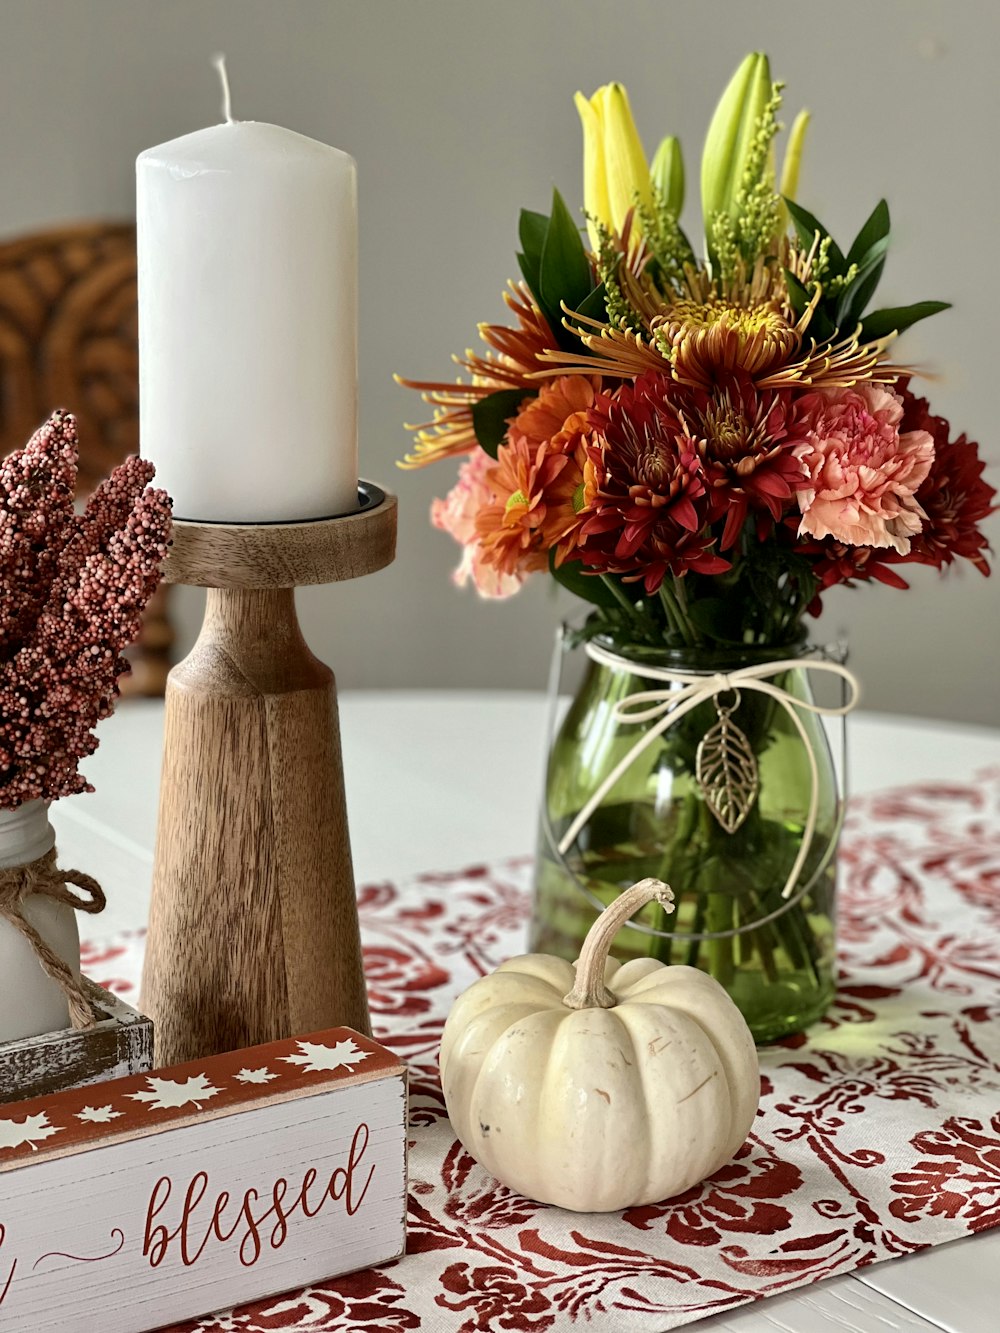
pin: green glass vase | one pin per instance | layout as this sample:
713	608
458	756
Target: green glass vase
768	940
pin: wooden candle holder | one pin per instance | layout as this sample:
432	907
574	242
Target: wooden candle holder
253	931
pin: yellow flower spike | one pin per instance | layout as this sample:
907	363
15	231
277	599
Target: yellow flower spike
667	173
595	181
615	173
730	134
793	156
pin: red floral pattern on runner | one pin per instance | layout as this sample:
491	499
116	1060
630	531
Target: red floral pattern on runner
369	1300
961	1179
744	1196
494	1296
913	1040
399	978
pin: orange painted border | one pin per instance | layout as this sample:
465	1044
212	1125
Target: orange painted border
127	1107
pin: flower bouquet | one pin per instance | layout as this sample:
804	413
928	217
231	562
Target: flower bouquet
74	587
699	446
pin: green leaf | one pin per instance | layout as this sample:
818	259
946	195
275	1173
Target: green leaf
874	230
564	274
860	292
588	586
821	326
529	273
875	254
797	293
531	229
856	296
491	415
807	226
898	318
595	306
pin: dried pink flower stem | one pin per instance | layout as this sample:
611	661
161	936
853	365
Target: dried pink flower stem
73	590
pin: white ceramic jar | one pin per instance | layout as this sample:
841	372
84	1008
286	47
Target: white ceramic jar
31	1003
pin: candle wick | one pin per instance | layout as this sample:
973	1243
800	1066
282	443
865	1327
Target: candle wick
219	63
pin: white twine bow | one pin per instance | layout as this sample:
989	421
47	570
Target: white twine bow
664	708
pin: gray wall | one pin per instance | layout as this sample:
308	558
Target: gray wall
460	112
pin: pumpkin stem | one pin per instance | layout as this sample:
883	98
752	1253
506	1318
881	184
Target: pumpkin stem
589	990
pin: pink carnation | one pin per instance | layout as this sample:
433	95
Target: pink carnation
456	514
863	474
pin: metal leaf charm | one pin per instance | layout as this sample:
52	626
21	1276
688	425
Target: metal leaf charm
726	772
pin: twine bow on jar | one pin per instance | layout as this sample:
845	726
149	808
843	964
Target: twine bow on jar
42	878
662	708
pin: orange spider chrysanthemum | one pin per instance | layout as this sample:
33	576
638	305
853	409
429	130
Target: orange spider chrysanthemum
719	338
700	330
512	361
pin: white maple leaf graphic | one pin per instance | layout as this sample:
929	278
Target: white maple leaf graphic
97	1115
15	1133
262	1075
314	1057
164	1093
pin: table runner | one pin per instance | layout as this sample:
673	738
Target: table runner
878	1133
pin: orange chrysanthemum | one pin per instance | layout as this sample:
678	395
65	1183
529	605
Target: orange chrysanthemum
559	417
559	412
533	488
567	511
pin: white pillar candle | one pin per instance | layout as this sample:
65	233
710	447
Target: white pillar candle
247	239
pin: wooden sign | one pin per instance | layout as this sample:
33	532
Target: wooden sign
136	1203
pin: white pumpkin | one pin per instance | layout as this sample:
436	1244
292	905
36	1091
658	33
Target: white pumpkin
602	1086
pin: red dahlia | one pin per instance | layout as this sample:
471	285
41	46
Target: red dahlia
646	497
835	562
746	439
954	496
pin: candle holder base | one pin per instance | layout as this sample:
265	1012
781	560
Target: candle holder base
253	933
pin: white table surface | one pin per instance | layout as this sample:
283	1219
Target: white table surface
438	780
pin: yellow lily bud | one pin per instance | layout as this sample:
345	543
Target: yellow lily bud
615	173
731	133
595	180
667	172
793	155
624	159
